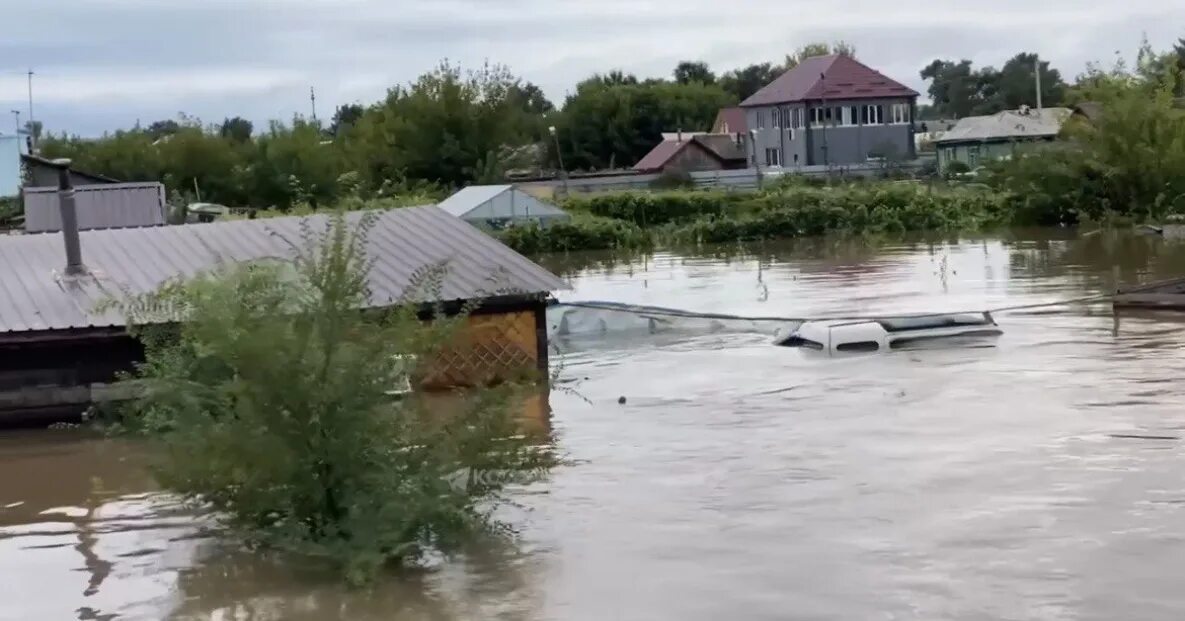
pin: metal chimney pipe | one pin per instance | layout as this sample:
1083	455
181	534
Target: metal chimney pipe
1038	72
69	211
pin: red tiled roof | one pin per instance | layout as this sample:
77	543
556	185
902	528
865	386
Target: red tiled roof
730	121
660	155
828	77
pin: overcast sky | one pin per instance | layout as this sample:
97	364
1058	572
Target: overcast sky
103	64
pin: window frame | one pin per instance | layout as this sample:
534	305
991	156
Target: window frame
900	114
874	114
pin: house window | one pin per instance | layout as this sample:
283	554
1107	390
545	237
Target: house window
773	157
874	114
854	115
900	113
845	116
774	118
973	156
761	119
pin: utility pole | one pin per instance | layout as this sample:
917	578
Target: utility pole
1037	66
32	133
313	101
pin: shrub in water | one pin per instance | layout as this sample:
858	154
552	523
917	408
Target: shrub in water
271	396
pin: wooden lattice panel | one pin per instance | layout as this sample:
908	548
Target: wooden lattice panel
489	348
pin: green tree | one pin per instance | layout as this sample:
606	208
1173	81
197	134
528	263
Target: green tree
236	129
1015	84
271	395
193	160
445	127
818	49
160	129
292	164
689	71
955	88
345	117
531	99
742	83
614	125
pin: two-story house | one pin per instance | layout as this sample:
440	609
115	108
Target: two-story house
830	110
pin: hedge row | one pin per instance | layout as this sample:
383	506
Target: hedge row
634	220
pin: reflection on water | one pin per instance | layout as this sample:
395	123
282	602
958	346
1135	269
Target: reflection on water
1036	479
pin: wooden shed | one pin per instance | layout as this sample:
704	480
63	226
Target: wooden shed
58	354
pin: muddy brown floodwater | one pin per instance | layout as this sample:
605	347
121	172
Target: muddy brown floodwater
1039	479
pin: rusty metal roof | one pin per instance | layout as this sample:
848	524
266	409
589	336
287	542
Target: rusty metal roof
36	296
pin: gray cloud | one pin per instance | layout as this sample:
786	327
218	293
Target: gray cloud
103	64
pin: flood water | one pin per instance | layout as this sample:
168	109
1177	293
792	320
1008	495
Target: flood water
1042	478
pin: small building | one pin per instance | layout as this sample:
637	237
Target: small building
105	206
731	122
928	131
40	172
59	354
976	139
831	110
496	206
10	165
695	152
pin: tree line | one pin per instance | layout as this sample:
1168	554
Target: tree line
452	127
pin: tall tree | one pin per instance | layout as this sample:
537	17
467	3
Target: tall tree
954	88
1015	84
615	125
160	129
689	71
236	129
445	127
818	49
344	118
531	98
742	83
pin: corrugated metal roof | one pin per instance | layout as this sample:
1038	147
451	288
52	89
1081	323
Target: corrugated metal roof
1007	125
107	206
471	197
35	296
828	77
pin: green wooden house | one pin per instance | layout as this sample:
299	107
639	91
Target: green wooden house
977	139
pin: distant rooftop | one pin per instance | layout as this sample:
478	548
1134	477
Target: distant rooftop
836	76
1008	125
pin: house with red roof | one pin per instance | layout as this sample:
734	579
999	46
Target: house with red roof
694	152
830	110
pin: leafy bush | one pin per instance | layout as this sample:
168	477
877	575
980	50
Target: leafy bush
584	232
1127	163
957	167
673	179
271	396
798	212
655	208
